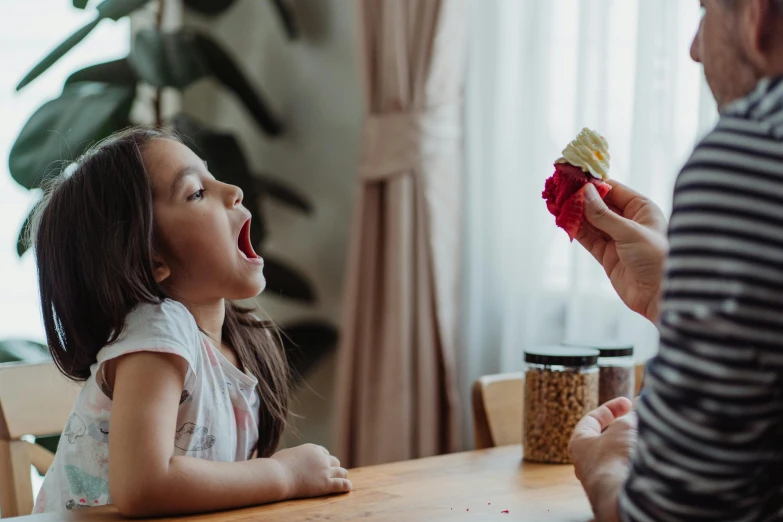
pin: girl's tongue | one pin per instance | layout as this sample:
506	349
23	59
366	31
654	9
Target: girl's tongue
244	243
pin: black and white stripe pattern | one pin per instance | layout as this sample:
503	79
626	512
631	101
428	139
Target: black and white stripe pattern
711	417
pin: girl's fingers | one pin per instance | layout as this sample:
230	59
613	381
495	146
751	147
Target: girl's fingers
339	472
334	461
341	485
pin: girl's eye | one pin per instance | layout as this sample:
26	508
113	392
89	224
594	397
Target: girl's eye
199	194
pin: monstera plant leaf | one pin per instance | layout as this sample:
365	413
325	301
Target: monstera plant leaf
216	7
111	9
276	189
306	342
63	128
287	18
19	350
168	59
116	72
287	282
186	56
210	7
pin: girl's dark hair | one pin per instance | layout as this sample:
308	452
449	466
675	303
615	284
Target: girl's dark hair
94	242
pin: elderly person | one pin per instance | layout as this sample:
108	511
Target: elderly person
709	442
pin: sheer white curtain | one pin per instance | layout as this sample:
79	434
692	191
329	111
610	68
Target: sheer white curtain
539	71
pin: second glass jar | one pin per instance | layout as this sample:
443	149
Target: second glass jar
617	371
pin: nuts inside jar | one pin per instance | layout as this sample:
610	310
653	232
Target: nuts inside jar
555	401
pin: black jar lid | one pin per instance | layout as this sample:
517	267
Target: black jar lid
562	356
607	348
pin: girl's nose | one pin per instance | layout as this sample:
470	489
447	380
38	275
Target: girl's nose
235	194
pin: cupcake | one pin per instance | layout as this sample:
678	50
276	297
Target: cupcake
585	160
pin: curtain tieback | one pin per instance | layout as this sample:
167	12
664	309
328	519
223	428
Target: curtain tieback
397	143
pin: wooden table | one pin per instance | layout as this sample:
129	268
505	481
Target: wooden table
476	485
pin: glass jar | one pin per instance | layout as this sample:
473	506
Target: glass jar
561	387
617	371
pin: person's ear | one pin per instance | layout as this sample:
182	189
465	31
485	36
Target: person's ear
161	270
758	24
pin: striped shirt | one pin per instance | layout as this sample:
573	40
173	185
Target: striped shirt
711	418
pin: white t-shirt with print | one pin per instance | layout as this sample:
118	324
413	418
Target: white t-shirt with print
217	417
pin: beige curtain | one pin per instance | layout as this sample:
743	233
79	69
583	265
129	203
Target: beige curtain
397	391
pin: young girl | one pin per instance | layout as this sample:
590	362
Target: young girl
139	250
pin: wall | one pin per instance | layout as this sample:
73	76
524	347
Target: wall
313	83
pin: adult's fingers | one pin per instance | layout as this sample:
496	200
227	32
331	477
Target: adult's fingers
604	219
620	196
592	240
595	422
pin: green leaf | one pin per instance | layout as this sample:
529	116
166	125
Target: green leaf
113	9
278	190
80	4
19	350
116	9
167	59
57	53
63	128
226	161
117	72
209	7
23	241
287	18
226	71
181	58
49	442
307	342
286	281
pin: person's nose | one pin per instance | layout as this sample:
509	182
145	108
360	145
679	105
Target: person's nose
234	195
696	45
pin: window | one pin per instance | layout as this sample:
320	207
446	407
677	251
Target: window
28	32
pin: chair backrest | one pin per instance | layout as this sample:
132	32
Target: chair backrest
497	408
35	399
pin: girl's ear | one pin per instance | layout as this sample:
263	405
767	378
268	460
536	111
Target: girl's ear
161	269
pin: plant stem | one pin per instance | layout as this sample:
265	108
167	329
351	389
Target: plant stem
159	93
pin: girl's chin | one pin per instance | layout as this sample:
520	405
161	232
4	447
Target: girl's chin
254	287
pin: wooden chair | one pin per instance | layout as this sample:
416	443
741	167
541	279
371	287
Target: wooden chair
35	399
497	408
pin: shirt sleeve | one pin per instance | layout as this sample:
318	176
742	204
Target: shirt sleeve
711	416
167	327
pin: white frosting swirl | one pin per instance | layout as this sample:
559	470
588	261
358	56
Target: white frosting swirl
590	152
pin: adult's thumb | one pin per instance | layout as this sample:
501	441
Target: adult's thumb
603	218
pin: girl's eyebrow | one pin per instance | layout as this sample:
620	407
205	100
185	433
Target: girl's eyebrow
190	170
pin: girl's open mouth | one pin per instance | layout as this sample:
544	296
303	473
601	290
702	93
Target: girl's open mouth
245	246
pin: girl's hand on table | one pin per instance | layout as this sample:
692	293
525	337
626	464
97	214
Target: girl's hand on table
311	471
